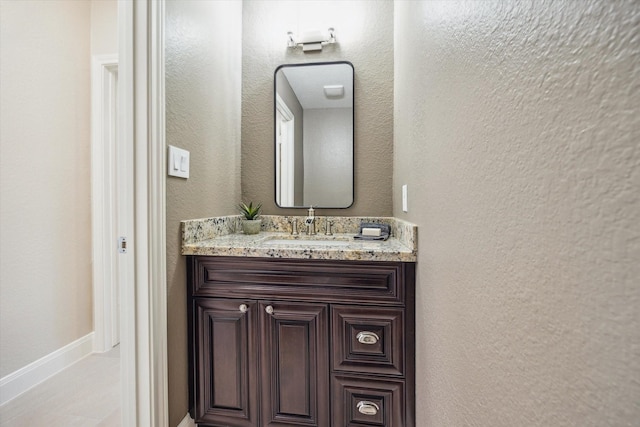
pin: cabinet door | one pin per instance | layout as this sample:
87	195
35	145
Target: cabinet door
225	382
294	364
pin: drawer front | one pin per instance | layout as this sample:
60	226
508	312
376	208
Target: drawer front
368	340
361	402
300	280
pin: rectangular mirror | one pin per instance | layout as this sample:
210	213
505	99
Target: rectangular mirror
313	110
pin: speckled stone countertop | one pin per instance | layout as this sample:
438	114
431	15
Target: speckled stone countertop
218	237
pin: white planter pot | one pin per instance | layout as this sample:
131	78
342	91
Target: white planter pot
251	226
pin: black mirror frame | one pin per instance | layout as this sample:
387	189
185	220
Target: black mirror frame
353	134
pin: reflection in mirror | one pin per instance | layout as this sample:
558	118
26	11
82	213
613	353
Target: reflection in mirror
314	135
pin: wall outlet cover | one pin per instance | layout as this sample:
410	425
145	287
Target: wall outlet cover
405	204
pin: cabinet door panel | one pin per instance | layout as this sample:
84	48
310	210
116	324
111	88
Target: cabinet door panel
295	366
226	388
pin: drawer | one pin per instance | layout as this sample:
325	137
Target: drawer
300	280
361	402
368	340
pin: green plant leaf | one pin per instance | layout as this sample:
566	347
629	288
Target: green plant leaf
249	211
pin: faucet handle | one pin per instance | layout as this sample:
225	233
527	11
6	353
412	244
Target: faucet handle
327	230
294	226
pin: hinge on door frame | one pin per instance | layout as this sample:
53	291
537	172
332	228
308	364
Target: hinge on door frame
122	245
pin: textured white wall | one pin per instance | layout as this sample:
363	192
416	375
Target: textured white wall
45	232
517	129
203	94
364	29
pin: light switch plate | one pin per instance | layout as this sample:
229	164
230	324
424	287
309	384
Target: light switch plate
405	204
178	162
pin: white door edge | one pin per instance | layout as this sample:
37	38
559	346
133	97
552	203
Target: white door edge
143	332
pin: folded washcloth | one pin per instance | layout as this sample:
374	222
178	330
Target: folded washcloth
385	230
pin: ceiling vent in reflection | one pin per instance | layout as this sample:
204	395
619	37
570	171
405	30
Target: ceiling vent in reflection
334	91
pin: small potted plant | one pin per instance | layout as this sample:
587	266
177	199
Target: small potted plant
250	221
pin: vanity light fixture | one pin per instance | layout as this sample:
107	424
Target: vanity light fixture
311	40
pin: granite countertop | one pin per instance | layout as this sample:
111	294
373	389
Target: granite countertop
217	237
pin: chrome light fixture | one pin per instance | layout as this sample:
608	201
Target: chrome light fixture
311	40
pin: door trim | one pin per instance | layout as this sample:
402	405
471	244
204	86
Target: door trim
104	69
285	154
143	333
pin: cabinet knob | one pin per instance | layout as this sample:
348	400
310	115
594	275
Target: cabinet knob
366	337
269	309
243	308
367	408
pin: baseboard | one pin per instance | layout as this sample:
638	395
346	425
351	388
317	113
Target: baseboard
16	383
187	421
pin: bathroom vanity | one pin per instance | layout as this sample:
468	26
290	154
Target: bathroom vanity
300	334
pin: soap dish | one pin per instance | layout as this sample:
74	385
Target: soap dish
373	231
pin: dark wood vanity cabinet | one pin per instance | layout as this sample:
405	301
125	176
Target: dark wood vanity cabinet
284	342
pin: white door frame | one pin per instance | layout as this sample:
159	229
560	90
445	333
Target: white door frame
143	332
104	70
285	154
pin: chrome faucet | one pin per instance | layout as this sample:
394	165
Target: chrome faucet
310	222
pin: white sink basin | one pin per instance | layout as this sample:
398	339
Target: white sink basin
305	243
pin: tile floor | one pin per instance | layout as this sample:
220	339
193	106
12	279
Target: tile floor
86	394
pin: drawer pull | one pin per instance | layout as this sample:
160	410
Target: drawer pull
269	309
243	308
366	337
367	408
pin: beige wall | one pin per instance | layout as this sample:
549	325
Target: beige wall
45	230
104	27
364	30
517	128
203	86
